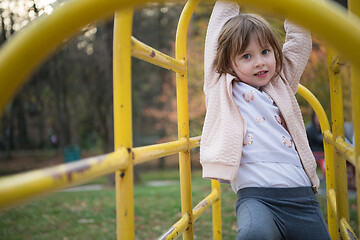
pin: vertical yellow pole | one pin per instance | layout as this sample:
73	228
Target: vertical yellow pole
123	123
183	132
216	212
354	7
183	116
337	118
330	184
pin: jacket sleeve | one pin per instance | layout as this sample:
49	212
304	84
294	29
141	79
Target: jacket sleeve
296	50
222	12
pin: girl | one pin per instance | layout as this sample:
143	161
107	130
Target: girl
253	134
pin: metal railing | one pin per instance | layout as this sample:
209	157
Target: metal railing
21	187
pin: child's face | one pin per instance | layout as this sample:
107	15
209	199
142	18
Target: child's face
256	65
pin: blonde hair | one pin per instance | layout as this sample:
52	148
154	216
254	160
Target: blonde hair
235	36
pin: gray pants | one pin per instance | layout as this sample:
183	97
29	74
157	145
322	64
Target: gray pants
279	213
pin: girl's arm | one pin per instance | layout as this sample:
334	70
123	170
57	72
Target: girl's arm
296	50
221	13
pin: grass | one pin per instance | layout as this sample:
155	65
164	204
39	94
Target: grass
92	214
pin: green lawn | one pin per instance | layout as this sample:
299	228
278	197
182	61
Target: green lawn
91	214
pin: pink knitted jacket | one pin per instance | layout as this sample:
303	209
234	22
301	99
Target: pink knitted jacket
224	127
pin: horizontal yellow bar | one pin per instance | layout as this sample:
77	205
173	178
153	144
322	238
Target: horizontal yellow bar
342	147
332	201
151	55
347	232
328	136
177	229
205	204
19	187
345	149
146	153
23	186
194	142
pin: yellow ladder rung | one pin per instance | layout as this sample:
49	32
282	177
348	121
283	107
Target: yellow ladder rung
144	52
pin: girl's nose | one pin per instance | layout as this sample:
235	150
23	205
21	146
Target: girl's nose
259	62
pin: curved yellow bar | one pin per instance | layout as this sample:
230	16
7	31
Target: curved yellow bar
316	105
29	47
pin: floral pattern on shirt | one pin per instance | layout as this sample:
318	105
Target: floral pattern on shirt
259	119
249	97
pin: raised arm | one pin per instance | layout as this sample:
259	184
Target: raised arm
221	13
296	50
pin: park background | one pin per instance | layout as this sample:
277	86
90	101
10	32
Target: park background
66	107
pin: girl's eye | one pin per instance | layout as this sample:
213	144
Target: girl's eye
246	56
266	51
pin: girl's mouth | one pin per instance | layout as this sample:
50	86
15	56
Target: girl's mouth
261	73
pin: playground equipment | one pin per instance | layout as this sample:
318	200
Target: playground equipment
29	48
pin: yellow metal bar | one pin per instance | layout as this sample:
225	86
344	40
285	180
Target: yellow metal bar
354	7
337	118
177	229
151	55
346	150
195	141
316	105
34	43
337	63
205	204
216	212
347	232
332	201
328	151
330	184
183	116
123	122
20	187
328	137
146	153
31	46
355	86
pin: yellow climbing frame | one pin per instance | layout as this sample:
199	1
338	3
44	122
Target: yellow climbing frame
31	46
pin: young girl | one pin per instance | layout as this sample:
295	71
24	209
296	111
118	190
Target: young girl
253	134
